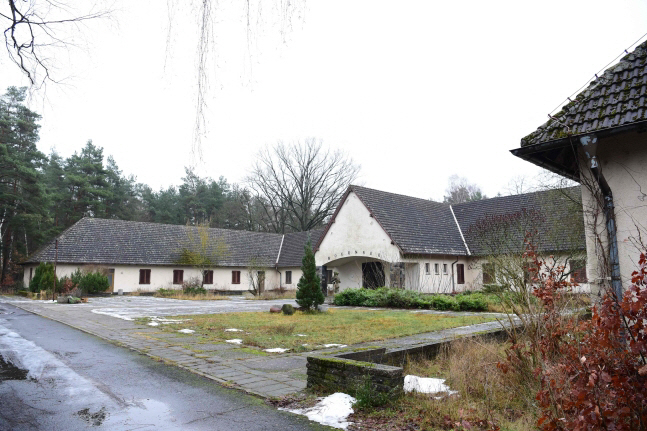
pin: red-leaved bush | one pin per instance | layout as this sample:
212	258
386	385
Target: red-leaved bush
593	373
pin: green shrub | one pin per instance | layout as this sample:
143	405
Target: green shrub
94	282
167	292
400	298
194	290
44	278
24	293
309	294
287	309
367	395
493	288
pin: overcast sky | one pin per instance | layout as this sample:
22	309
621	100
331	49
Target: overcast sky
414	91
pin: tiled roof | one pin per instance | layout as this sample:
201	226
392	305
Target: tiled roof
416	226
617	98
502	222
293	246
119	242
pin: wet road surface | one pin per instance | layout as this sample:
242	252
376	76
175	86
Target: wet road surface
53	377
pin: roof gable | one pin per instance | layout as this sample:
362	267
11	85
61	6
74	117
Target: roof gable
615	99
416	226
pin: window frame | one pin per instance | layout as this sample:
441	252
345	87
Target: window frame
207	276
427	268
444	269
436	269
460	273
235	277
288	277
144	276
578	271
178	277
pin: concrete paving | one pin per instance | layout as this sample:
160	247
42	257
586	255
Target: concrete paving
274	375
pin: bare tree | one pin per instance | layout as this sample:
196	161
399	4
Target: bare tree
300	184
461	190
35	29
202	249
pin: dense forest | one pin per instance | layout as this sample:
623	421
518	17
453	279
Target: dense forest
41	195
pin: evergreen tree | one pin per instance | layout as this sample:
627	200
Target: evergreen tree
309	294
21	194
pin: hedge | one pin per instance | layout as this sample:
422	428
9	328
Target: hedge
399	298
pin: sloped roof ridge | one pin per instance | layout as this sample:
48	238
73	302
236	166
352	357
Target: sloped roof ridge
399	194
597	107
518	195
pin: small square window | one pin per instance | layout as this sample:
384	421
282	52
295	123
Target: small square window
427	268
144	276
436	268
178	276
235	277
208	277
288	277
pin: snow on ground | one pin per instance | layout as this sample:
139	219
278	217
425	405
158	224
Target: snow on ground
153	324
276	350
234	341
301	335
426	385
233	330
332	410
334	345
186	331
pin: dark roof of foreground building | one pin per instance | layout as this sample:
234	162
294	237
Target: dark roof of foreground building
416	226
423	227
292	249
499	225
119	242
617	98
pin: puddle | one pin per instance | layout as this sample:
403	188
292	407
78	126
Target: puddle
9	371
94	419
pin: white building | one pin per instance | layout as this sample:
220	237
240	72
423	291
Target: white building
373	239
599	141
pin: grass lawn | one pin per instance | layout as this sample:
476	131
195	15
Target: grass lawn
347	327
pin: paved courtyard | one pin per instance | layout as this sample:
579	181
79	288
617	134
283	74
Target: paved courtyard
272	375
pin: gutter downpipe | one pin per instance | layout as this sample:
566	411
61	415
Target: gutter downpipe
589	145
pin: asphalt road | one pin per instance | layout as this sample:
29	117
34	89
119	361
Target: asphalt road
53	377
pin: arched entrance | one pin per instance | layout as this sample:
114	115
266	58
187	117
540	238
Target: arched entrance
373	275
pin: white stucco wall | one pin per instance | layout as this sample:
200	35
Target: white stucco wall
418	279
127	277
623	162
355	233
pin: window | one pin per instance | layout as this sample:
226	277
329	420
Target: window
460	273
578	271
488	273
235	277
31	274
178	276
328	276
207	277
436	268
288	277
445	268
427	268
144	276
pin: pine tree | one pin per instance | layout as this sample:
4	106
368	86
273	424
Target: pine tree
309	294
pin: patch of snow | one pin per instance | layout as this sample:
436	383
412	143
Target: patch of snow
110	312
426	385
153	324
301	335
334	345
304	344
186	331
234	341
233	330
276	350
332	410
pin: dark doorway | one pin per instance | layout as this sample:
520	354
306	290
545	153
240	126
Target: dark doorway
372	275
261	281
